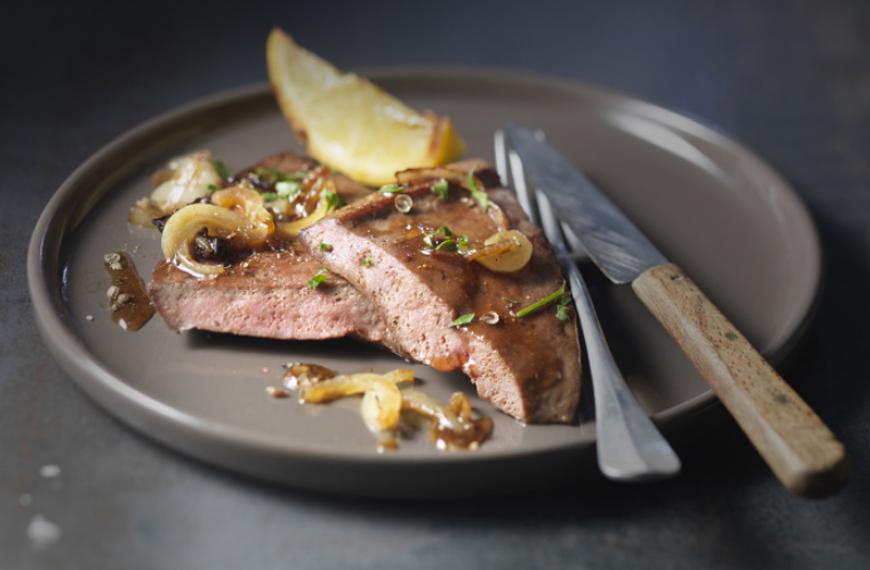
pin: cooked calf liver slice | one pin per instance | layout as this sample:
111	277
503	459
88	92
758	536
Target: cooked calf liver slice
267	295
528	367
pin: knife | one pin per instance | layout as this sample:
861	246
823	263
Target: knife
802	452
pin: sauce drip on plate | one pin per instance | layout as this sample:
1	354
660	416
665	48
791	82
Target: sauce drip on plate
130	305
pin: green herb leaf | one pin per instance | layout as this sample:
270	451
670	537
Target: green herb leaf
446	245
391	189
463	320
318	279
331	198
441	189
222	169
479	194
562	307
439	236
269	196
367	261
287	188
462	241
327	247
211	187
541	303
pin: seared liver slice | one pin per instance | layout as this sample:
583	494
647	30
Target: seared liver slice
528	367
267	295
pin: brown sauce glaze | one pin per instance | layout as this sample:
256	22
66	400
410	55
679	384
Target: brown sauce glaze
130	305
473	433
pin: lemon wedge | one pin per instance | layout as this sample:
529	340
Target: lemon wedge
350	124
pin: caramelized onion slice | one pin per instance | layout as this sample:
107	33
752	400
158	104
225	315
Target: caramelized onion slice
248	203
452	425
381	407
292	229
456	172
351	384
184	179
324	206
184	225
426	405
504	252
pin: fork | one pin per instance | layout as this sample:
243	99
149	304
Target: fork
629	446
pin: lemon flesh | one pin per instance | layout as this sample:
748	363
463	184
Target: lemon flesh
350	124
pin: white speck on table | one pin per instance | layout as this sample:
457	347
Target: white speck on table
49	471
42	532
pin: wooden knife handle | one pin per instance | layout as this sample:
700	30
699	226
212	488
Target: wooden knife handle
798	447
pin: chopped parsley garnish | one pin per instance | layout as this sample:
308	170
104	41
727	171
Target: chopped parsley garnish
211	187
269	196
446	245
553	297
391	189
318	279
287	188
480	196
327	247
462	241
439	236
440	189
563	306
367	261
331	199
222	169
463	320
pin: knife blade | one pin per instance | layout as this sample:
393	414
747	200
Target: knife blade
802	452
612	240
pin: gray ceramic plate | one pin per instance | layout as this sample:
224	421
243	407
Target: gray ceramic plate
708	203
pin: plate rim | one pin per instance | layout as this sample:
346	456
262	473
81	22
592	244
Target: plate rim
44	274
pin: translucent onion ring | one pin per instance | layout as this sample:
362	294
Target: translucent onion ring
249	203
184	225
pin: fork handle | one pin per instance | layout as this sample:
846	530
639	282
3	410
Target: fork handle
802	452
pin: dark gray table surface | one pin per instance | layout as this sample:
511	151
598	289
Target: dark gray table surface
790	79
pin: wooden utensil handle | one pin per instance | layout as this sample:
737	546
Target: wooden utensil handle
798	447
